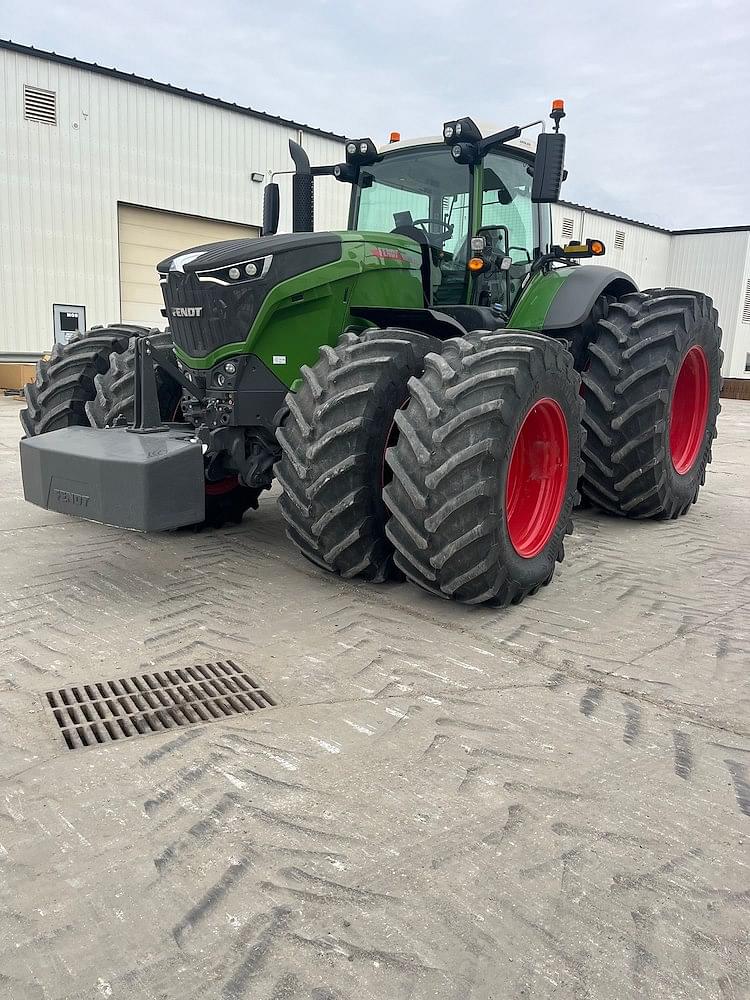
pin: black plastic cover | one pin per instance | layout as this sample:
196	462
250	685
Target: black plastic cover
228	252
150	482
548	167
271	209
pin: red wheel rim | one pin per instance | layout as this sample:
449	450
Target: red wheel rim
222	486
689	412
537	478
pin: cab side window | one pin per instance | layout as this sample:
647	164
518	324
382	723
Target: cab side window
506	202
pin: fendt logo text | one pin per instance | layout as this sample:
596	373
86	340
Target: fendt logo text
185	312
74	499
387	253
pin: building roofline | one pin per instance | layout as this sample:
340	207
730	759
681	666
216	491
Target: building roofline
617	218
166	88
658	229
711	229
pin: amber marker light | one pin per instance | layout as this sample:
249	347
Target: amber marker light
475	264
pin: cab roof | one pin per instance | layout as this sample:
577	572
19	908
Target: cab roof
525	142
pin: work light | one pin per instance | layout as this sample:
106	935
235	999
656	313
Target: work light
464	129
361	153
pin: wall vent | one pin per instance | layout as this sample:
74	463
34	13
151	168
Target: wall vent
746	304
568	225
40	105
619	239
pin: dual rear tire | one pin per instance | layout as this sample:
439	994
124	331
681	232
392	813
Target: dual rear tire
455	465
651	388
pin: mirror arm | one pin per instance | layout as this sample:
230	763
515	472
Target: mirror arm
498	138
347	173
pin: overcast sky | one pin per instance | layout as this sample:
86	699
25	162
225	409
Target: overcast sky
657	91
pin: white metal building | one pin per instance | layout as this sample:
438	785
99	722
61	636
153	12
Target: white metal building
715	261
103	174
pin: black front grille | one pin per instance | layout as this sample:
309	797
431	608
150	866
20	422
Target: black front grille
224	313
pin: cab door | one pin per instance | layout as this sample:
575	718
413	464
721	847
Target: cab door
508	218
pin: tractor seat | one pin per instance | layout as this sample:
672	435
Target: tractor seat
474	317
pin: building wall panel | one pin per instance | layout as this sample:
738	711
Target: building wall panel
719	264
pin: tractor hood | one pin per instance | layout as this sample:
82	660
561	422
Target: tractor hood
213	293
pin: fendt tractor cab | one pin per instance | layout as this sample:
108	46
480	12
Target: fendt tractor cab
430	387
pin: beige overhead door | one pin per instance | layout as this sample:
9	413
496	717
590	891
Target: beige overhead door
148	236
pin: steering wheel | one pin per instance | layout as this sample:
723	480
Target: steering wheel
446	228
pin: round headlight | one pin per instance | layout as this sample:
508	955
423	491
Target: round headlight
456	151
230	367
234	273
352	147
448	132
363	147
458	128
251	270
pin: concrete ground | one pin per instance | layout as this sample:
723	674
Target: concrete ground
549	801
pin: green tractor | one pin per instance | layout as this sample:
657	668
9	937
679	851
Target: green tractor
431	388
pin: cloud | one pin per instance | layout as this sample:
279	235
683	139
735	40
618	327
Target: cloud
656	90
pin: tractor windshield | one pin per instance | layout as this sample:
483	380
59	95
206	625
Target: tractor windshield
422	193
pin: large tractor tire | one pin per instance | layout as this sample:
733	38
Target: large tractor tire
651	390
333	442
485	468
114	404
65	383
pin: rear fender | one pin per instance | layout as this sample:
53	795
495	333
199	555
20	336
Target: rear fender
562	299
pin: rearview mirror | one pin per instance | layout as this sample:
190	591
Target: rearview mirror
271	209
548	167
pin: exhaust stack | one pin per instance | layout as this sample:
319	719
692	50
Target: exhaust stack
303	195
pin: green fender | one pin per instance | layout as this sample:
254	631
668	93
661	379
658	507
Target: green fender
563	298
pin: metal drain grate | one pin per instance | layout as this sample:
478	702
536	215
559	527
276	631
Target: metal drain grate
92	714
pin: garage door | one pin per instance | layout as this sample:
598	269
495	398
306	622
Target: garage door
148	236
